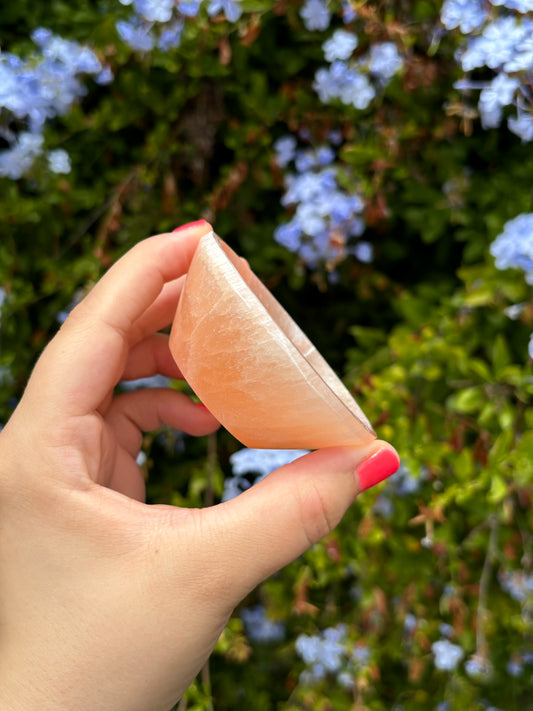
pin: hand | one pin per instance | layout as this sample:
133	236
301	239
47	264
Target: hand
105	602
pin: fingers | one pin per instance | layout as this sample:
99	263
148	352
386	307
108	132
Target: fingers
151	357
161	313
140	411
131	286
276	520
86	359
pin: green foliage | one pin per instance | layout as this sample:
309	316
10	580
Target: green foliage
420	334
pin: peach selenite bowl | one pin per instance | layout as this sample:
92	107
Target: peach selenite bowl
252	366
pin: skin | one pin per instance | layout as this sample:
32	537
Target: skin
106	602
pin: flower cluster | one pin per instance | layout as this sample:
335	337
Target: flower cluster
248	466
330	652
500	38
355	82
327	218
160	23
513	249
260	628
38	89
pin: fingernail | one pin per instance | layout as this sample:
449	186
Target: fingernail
189	225
201	404
377	467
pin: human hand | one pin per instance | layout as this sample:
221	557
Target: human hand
105	602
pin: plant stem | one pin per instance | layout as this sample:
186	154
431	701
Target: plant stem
482	608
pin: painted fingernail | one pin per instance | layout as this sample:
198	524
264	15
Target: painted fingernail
377	467
202	406
189	225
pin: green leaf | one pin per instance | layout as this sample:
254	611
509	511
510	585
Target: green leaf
500	354
468	401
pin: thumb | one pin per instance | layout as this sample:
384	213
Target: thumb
275	521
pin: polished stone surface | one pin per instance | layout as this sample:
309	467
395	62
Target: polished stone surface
252	366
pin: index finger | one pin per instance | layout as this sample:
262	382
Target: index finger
83	363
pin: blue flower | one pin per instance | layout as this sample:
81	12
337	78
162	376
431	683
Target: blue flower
285	149
499	93
315	15
518	584
324	652
349	14
289	235
522	61
499	44
467	15
189	8
231	9
170	36
501	90
41	36
445	629
262	461
58	161
477	667
257	463
410	623
364	251
325	156
135	34
447	655
330	652
340	81
41	88
18	159
325	216
105	76
260	628
304	161
341	45
522	126
153	381
518	5
154	10
514	668
384	60
513	248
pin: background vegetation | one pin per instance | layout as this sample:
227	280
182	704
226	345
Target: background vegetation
423	597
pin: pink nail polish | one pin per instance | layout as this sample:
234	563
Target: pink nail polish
377	467
189	225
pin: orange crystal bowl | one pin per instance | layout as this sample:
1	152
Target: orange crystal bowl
252	366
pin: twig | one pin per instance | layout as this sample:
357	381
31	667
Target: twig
206	683
484	581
